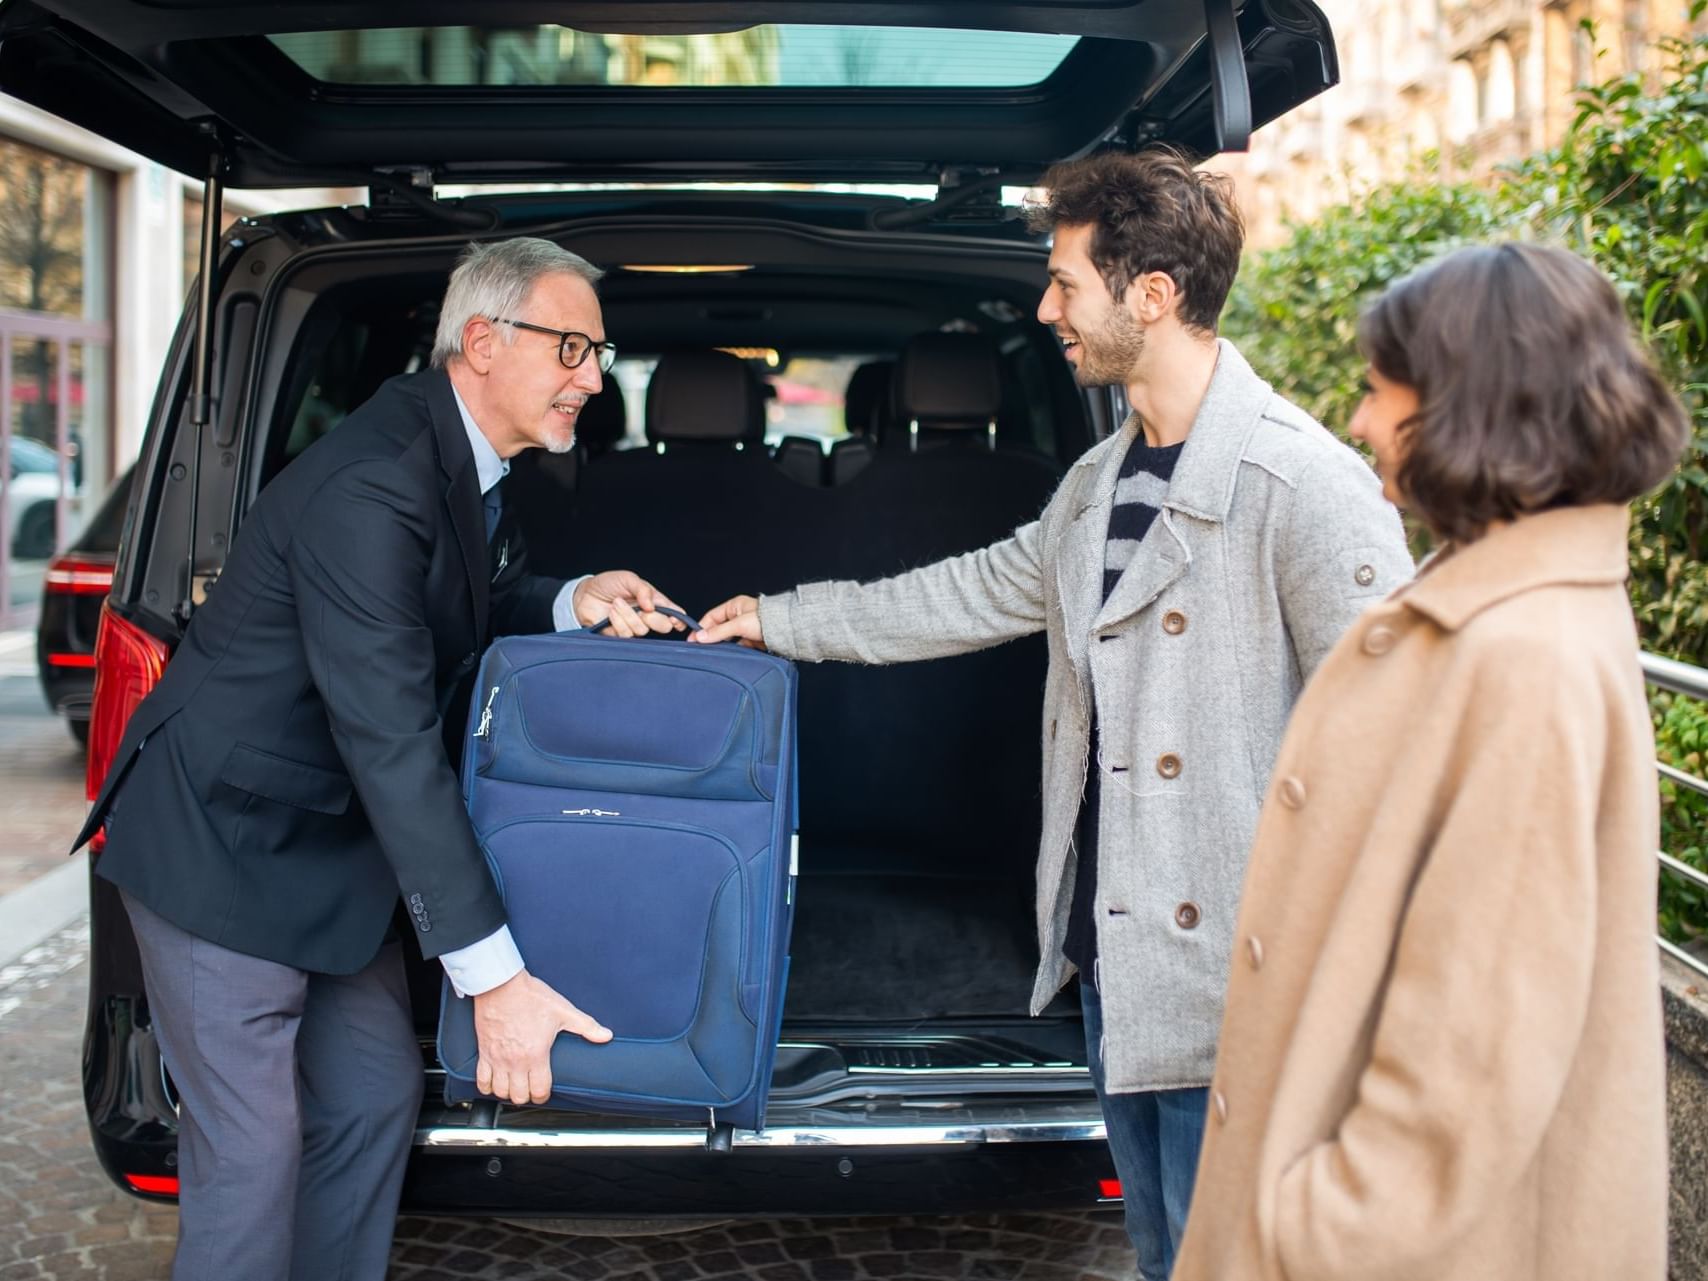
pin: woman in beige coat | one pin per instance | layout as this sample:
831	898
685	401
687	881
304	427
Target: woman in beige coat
1442	1052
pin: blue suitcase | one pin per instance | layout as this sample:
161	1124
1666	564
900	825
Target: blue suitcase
636	802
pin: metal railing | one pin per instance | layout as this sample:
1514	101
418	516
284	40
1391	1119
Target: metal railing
1679	678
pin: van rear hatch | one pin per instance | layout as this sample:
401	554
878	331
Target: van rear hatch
290	94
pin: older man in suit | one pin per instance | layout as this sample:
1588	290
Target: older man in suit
288	778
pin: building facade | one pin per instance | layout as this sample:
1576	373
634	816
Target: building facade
97	252
1453	88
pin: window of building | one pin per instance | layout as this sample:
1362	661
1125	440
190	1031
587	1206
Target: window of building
55	358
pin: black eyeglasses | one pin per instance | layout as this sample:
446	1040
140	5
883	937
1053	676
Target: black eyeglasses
572	348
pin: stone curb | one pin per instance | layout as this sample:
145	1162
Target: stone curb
44	907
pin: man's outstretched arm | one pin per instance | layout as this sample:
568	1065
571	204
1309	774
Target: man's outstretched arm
955	606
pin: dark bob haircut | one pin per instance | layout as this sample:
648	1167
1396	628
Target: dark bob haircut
1150	211
1533	393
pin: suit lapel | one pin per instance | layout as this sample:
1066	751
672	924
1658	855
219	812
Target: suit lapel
1158	562
462	495
1201	491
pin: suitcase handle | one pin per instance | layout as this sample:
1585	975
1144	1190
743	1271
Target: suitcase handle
693	623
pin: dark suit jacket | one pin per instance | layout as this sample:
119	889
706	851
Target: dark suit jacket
295	776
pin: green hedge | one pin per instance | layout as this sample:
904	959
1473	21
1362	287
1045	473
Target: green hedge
1628	188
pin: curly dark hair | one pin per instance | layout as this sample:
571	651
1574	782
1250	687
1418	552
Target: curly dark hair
1151	211
1533	393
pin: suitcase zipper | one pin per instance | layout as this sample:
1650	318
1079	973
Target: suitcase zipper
485	725
594	813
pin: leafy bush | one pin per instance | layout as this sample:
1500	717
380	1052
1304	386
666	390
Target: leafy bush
1628	188
1681	740
1294	309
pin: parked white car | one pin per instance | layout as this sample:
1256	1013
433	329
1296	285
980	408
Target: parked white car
32	489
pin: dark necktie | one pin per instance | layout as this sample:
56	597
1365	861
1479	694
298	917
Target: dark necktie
492	504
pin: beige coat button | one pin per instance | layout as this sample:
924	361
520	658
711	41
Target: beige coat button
1378	640
1174	622
1364	575
1254	949
1186	916
1168	765
1219	1101
1292	793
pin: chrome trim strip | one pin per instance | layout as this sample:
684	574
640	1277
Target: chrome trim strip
452	1139
1065	1071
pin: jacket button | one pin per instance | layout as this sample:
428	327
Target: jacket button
1292	793
1168	765
1186	916
1378	640
1254	949
1364	575
1174	622
1219	1101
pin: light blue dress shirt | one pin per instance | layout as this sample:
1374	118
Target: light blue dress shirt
484	965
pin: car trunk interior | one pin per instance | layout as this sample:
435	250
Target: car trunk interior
919	782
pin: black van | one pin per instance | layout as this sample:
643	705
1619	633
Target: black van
814	382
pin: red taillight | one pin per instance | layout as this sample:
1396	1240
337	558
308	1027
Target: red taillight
1109	1189
70	660
74	575
166	1184
128	663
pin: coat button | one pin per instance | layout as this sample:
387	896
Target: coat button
1254	949
1186	916
1364	575
1292	793
1378	640
1174	622
1168	765
1219	1101
468	659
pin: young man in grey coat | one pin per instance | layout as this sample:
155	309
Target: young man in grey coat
1190	572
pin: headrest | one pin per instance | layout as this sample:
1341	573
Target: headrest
603	420
704	395
866	402
948	380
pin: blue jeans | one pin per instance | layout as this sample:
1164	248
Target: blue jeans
1154	1137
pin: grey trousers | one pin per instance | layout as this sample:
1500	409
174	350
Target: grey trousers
298	1092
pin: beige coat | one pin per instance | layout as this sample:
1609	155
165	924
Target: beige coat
1442	1054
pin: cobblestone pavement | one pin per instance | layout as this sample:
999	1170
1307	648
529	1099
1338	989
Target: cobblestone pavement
60	1218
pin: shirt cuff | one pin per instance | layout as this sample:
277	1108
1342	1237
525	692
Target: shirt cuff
482	966
563	608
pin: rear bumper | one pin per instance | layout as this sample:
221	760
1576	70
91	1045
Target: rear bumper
885	1168
1052	1159
872	1150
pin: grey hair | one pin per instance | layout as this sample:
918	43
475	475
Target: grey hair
494	280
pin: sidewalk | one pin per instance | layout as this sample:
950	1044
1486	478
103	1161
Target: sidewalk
41	803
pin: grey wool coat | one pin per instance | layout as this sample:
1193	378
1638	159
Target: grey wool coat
1272	538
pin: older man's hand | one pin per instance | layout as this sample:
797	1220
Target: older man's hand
628	600
515	1026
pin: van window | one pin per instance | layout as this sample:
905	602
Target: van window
803	394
